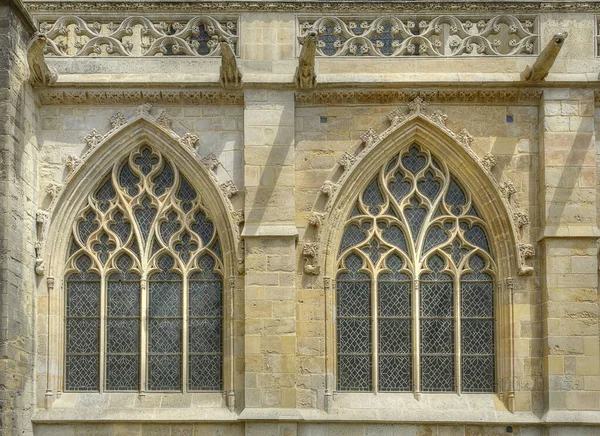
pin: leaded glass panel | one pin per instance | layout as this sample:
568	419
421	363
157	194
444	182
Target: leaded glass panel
414	220
144	220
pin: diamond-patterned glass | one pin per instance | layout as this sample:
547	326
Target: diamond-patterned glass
87	226
394	236
414	161
437	373
429	186
121	226
82	372
164	180
122	372
146	160
354	373
372	197
203	227
395	373
205	372
169	227
164	372
478	374
455	197
104	195
477	236
186	194
415	215
145	216
399	187
185	247
415	181
128	180
103	247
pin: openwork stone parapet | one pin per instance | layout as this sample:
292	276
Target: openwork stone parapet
526	96
306	7
155	96
138	36
424	35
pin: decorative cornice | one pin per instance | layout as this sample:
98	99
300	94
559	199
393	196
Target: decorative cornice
130	96
39	7
524	96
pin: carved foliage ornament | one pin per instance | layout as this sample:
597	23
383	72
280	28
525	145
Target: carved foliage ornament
137	36
438	36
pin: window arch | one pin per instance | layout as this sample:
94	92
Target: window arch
144	284
415	284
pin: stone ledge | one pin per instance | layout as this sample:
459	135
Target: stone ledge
570	231
583	417
133	415
269	230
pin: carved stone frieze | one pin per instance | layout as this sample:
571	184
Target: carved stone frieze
425	35
524	96
71	35
118	96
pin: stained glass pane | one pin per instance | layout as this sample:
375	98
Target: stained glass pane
186	194
121	226
477	328
164	328
354	326
399	187
145	216
146	160
82	329
104	195
128	180
372	197
414	161
205	327
415	215
123	328
203	227
164	179
455	198
477	236
87	226
394	236
429	186
353	235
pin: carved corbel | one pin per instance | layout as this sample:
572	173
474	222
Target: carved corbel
306	77
311	252
40	74
541	67
231	76
525	252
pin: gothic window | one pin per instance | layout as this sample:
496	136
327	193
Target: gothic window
414	289
144	284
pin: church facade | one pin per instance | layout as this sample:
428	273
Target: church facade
299	218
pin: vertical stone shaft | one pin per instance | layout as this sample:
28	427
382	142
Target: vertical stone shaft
270	244
569	274
17	223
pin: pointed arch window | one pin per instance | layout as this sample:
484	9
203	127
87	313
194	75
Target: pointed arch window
415	284
144	284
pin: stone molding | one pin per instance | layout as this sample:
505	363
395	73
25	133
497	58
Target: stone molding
39	7
136	96
524	96
423	35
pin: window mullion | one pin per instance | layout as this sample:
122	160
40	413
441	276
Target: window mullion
457	334
184	335
416	338
144	335
102	341
374	334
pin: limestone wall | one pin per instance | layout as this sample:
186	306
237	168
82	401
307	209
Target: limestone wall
530	149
